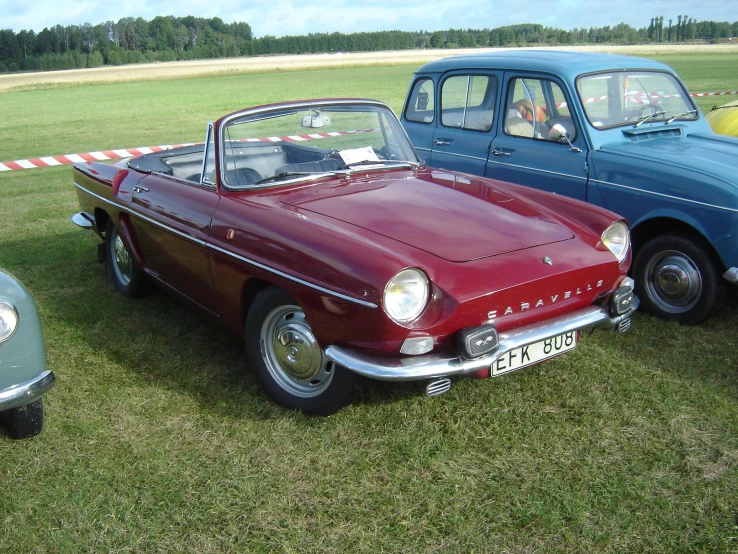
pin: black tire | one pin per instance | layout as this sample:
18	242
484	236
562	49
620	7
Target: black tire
128	278
677	279
26	421
287	360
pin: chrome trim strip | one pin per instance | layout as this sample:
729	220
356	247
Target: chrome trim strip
292	278
665	195
443	365
423	149
731	275
25	393
459	155
234	255
568	175
146	218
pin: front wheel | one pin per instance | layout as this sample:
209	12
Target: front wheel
287	360
677	279
25	421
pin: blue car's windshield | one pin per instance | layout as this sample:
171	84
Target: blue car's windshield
627	97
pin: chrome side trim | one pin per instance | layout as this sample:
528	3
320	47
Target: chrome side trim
437	151
145	218
607	183
25	393
568	175
233	254
445	365
731	275
290	277
116	204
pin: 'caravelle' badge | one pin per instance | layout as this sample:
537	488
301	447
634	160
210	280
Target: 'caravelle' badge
547	261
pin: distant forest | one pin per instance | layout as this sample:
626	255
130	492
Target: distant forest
187	38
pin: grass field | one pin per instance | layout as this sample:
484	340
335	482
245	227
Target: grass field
158	439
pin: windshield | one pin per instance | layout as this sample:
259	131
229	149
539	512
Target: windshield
629	97
285	144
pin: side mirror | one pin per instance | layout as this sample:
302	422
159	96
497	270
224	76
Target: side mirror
558	133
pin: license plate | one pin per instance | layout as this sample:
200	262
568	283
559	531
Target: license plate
523	356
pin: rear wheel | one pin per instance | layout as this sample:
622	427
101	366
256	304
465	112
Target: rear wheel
287	359
677	279
127	277
25	421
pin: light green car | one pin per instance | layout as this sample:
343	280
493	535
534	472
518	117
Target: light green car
24	377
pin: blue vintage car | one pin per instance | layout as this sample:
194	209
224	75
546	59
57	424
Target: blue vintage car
617	131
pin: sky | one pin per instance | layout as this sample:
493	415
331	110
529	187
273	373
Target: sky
299	17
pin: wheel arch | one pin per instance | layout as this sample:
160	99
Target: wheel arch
251	288
101	222
662	224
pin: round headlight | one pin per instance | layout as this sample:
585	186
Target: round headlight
617	239
8	321
406	295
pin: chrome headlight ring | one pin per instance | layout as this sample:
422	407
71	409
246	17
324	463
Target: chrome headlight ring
617	239
8	320
406	295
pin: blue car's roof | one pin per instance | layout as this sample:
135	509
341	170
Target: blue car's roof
565	63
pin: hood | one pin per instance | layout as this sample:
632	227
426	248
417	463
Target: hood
454	217
713	155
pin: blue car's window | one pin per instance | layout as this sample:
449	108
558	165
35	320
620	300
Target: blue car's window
534	106
467	102
422	102
627	97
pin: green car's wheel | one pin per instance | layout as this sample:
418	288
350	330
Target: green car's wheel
26	421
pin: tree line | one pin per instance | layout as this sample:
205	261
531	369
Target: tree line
168	38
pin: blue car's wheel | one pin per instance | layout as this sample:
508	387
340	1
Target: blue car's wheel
677	279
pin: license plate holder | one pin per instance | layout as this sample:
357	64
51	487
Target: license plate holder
530	354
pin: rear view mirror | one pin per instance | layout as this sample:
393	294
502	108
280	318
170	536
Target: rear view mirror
316	120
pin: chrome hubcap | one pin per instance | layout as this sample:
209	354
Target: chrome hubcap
122	261
292	354
673	281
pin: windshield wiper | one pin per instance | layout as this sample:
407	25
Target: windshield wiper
677	116
380	162
644	118
286	174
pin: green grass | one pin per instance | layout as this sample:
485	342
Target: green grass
158	439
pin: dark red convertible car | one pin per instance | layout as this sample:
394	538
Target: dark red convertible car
313	230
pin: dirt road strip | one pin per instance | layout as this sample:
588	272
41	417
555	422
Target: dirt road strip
224	66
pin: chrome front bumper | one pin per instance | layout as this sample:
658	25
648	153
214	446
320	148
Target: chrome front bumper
731	275
445	365
25	393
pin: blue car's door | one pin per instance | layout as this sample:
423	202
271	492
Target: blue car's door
522	150
451	122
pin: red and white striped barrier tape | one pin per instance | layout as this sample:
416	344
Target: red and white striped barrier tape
105	155
66	159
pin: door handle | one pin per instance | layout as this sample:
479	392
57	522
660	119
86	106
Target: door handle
140	189
496	152
442	142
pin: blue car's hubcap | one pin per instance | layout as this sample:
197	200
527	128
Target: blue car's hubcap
674	282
